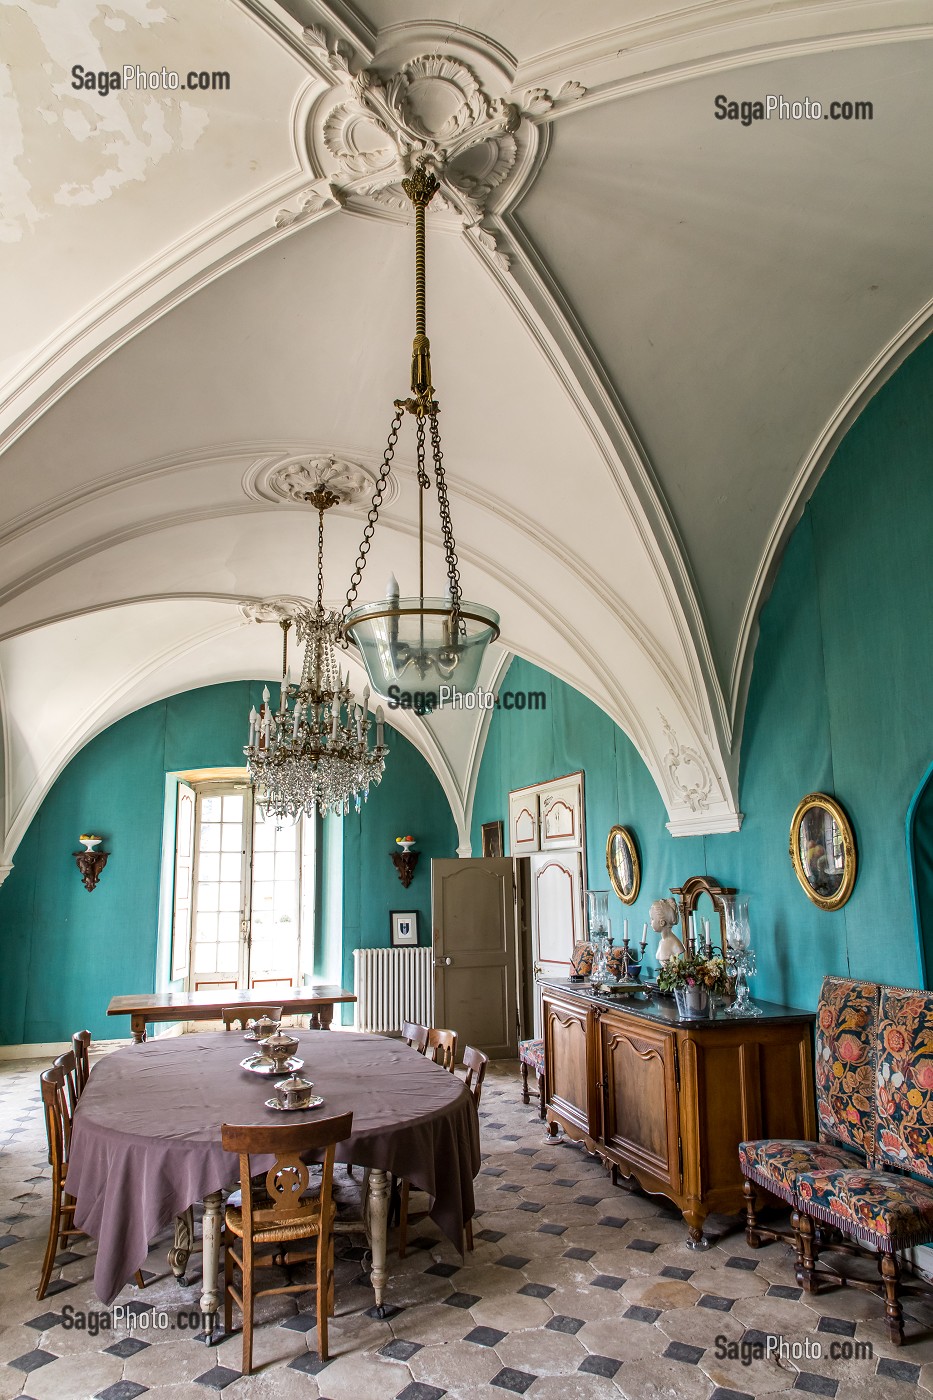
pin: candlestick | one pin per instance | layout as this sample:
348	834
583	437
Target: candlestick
644	937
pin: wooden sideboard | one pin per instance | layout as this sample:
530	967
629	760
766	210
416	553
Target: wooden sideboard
668	1101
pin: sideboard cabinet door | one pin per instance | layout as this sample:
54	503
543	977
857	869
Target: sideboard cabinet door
567	1067
638	1078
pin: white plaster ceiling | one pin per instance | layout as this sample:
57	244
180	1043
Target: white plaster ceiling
648	336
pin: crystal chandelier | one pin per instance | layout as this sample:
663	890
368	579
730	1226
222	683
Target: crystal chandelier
315	756
405	640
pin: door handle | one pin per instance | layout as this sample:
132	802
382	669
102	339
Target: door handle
443	962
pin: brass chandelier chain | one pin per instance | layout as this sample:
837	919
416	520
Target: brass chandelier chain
421	187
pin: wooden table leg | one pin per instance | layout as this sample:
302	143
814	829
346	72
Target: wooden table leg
138	1027
180	1251
314	1019
210	1294
325	1015
376	1220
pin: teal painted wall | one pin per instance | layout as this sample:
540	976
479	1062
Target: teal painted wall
64	952
839	701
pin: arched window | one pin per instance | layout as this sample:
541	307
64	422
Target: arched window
920	863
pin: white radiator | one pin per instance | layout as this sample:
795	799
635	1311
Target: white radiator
393	985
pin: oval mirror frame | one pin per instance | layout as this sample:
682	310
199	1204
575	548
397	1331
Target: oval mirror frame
812	802
612	864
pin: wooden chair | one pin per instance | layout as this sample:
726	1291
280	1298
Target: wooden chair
68	1065
475	1063
278	1213
442	1048
57	1110
416	1036
81	1044
239	1015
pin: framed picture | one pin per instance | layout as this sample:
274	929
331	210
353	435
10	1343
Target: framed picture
623	864
493	839
404	929
822	848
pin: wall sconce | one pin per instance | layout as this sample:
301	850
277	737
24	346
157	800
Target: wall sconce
90	861
405	859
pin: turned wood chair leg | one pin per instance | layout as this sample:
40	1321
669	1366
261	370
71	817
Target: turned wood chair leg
798	1242
525	1095
247	1367
541	1095
806	1271
752	1236
228	1297
890	1269
51	1249
324	1277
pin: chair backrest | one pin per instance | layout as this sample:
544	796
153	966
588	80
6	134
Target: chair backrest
68	1065
442	1048
57	1118
415	1036
904	1099
475	1063
288	1177
81	1044
240	1015
846	1037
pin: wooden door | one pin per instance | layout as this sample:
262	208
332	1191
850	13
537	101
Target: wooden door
183	886
523	822
562	814
567	1064
556	914
475	953
638	1084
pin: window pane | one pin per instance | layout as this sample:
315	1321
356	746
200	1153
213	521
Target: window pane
228	957
209	867
285	866
232	838
263	865
233	807
286	836
210	809
228	926
264	835
229	895
210	836
205	957
231	865
208	896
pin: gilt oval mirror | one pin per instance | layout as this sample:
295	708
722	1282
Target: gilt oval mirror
622	864
822	848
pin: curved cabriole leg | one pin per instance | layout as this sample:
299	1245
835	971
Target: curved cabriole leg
696	1238
890	1269
752	1237
180	1251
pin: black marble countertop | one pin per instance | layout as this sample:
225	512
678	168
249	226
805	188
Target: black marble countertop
663	1010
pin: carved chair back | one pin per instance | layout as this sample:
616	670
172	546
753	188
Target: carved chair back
240	1015
475	1063
442	1048
57	1115
81	1044
68	1065
904	1081
416	1036
287	1180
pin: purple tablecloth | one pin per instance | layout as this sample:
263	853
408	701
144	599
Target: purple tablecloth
146	1139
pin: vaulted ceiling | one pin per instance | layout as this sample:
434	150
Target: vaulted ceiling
650	328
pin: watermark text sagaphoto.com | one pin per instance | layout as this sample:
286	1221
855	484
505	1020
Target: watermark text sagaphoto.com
762	1346
94	1321
425	702
161	79
781	108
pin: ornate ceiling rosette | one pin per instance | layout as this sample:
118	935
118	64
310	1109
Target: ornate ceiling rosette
295	479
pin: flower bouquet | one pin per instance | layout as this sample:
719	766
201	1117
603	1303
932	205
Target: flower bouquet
695	980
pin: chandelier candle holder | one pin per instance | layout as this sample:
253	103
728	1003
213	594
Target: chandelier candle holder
418	639
312	754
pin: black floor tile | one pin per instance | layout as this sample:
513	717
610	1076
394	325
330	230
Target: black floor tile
512	1261
490	1236
815	1385
607	1281
398	1350
44	1321
126	1390
129	1346
419	1391
636	1313
682	1351
32	1360
671	1271
839	1326
530	1205
537	1290
485	1336
515	1381
613	1222
738	1262
443	1270
644	1246
301	1322
309	1364
604	1366
550	1229
587	1200
783	1290
576	1253
899	1370
715	1303
560	1323
461	1300
218	1377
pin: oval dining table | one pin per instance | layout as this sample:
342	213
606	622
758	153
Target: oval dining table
146	1142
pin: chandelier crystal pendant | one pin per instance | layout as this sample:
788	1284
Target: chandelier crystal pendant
418	640
314	756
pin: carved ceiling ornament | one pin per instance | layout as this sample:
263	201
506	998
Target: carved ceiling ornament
297	477
435	108
270	609
689	774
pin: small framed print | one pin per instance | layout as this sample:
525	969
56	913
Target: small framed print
493	839
404	929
